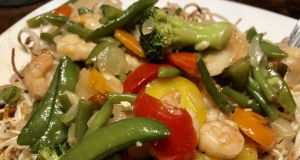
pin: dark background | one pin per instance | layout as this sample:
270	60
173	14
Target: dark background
12	14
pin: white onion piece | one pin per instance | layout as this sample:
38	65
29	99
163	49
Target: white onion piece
283	128
82	88
148	26
255	52
112	60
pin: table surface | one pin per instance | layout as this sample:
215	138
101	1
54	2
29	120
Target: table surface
291	8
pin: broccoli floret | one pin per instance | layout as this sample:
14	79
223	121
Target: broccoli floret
55	152
161	33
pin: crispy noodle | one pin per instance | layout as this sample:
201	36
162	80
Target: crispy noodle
287	148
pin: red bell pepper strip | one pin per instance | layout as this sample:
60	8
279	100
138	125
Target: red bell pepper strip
184	60
181	144
139	78
63	10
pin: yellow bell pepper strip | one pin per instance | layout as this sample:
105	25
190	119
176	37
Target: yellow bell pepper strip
129	42
256	127
98	83
249	151
191	98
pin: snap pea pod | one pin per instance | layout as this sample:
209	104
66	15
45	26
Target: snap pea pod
81	31
48	37
58	21
83	10
38	20
284	96
45	126
109	12
118	97
241	99
264	85
267	106
238	75
10	94
106	140
168	72
128	16
101	118
213	92
84	113
92	58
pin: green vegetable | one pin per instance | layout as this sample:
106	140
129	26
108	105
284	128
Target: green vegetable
83	114
263	83
10	94
58	21
83	10
241	99
283	94
104	42
107	140
45	128
210	86
168	33
128	16
81	31
168	72
48	37
109	13
118	97
39	19
238	74
54	152
65	102
101	117
267	106
70	116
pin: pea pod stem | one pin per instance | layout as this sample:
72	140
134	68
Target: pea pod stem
241	99
107	140
209	85
128	16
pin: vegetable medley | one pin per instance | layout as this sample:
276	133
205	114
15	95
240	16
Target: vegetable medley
149	83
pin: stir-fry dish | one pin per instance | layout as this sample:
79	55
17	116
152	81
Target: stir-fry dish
148	82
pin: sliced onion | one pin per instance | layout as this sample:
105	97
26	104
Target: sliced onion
255	52
283	128
112	60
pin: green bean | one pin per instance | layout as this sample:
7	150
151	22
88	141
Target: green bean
128	16
238	75
264	85
272	51
65	102
267	106
284	96
92	58
168	72
83	114
10	94
81	31
109	13
101	117
42	128
209	85
253	84
83	10
70	116
58	21
108	140
118	97
48	37
38	20
241	99
250	34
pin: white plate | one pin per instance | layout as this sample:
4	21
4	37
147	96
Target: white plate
275	25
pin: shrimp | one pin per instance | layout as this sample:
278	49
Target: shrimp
220	139
38	75
235	51
73	46
89	21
